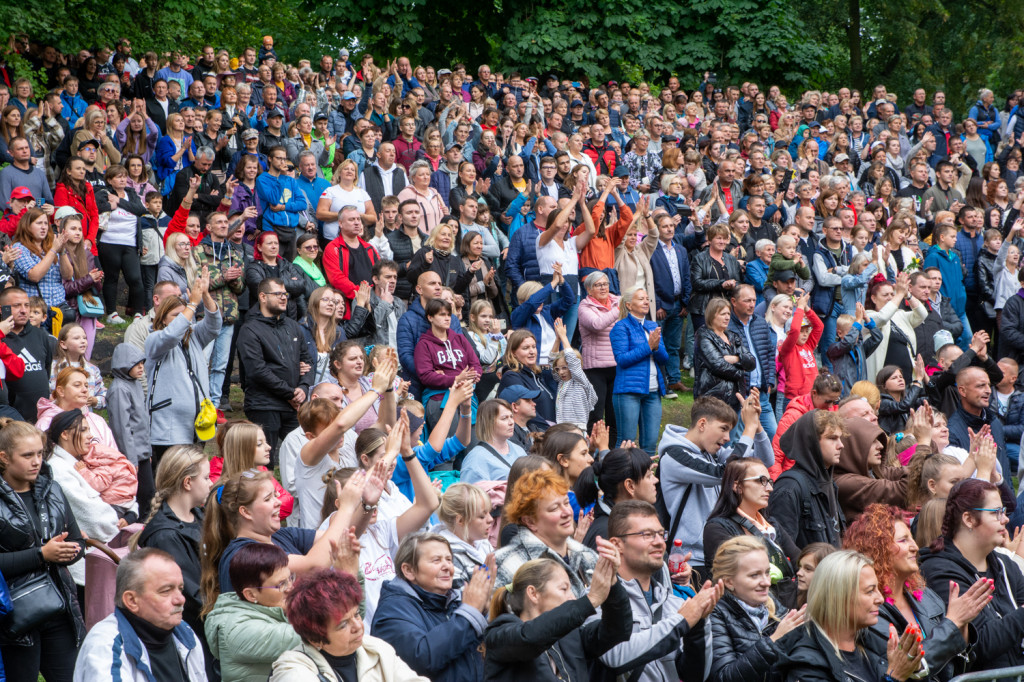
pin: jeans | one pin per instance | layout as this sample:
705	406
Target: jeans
965	338
672	334
688	338
217	357
148	282
828	335
768	422
116	260
638	413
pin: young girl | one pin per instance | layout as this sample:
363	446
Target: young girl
466	520
855	282
488	342
576	395
245	447
897	398
1007	263
80	274
72	345
806	563
796	354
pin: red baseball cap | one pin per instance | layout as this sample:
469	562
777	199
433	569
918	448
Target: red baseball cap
21	193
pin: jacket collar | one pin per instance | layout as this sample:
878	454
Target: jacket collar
134	649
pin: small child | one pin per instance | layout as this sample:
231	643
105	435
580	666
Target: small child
72	345
787	258
38	311
128	416
576	395
152	242
847	353
855	282
796	354
110	472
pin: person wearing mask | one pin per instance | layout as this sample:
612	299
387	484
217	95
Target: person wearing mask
145	636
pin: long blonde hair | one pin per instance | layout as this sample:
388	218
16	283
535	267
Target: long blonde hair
833	593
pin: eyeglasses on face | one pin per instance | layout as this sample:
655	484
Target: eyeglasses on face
284	584
648	535
998	511
279	294
763	480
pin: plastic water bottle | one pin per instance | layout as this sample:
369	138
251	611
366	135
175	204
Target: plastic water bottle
676	560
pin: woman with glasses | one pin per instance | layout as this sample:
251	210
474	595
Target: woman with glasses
882	535
247	628
308	250
746	487
974	526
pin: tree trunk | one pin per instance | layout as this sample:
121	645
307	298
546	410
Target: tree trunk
853	40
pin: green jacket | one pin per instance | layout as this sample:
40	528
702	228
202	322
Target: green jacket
247	638
216	258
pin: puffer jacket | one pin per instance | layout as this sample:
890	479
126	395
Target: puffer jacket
765	344
172	272
999	627
247	638
595	323
518	650
812	658
436	634
705	284
740	651
632	354
714	376
524	316
376	661
20	542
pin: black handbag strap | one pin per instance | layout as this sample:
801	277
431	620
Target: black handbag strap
490	448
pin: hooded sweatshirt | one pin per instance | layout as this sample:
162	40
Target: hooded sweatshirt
861	484
808	510
126	405
439	362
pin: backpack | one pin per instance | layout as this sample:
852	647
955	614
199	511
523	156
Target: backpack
809	523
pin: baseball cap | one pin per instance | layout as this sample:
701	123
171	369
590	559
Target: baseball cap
807	105
453	145
840	158
531	78
941	339
785	276
206	420
64	212
444	72
518	392
342	52
91	141
274	113
21	193
576	103
250	134
348	94
320	117
621	172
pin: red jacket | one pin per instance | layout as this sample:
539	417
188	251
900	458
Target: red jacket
406	152
178	222
335	262
62	196
9	223
14	364
798	361
604	158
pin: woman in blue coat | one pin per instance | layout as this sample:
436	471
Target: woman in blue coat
421	614
639	385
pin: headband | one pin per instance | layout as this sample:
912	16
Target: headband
220	493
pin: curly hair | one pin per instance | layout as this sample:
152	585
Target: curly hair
530	489
872	534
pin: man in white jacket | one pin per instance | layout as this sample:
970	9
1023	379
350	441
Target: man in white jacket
144	639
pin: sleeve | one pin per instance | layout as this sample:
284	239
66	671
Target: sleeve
690	469
626	354
712	355
519	641
525	310
250	354
730	663
822	276
428	650
784	507
614	627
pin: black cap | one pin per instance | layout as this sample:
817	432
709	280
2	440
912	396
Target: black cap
320	117
90	141
807	105
784	276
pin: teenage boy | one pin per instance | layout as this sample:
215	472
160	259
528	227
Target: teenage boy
692	462
944	257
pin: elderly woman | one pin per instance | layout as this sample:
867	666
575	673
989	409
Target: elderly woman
247	629
721	360
598	313
713	273
434	628
437	254
431	204
639	352
540	505
882	535
633	260
95	128
323	609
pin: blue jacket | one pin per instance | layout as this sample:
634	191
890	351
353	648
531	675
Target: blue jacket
948	263
524	317
981	114
163	161
662	272
1013	422
822	296
436	635
521	262
531	158
5	607
629	343
756	276
854	287
74	107
280	190
411	326
969	247
765	342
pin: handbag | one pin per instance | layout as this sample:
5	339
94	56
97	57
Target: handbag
35	601
89	309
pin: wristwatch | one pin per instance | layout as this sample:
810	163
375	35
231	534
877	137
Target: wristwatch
369	508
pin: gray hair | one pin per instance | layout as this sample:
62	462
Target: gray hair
350	207
419	165
131	573
985	92
303	154
243	87
801	185
206	153
593	278
761	244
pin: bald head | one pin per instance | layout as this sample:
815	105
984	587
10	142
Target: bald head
329	391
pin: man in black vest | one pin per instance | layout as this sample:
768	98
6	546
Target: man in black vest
384	177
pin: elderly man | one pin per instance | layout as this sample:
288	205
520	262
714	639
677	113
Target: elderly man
145	638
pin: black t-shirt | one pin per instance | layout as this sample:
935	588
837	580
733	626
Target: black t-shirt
34	346
360	269
858	665
914	192
343	666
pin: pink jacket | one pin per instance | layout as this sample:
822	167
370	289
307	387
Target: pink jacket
110	473
596	323
46	410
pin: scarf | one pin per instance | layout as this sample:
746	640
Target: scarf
758	614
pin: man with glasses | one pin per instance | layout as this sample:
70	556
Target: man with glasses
313	185
668	631
831	262
282	200
278	366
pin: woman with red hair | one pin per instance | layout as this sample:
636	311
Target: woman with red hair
267	262
881	534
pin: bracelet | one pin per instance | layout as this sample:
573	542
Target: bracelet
390	390
465	416
409	458
369	508
379	394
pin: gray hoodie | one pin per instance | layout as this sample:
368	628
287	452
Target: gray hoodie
126	405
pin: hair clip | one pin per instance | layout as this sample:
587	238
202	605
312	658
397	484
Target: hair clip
899	436
509	587
220	493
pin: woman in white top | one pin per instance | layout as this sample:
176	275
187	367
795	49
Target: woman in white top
553	247
343	193
118	244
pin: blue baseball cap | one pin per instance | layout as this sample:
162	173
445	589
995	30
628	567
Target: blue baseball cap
518	392
348	94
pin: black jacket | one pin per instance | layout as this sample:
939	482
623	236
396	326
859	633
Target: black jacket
270	349
706	285
156	112
985	275
1000	625
805	501
107	200
21	538
811	658
739	651
942	391
182	541
765	347
892	415
1011	329
713	375
502	193
782	552
205	201
298	286
518	651
450	268
36	348
402	253
925	333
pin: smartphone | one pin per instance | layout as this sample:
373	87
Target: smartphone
5	312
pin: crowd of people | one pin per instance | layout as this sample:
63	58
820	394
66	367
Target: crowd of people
455	303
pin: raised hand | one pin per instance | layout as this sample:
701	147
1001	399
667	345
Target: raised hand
904	653
791	621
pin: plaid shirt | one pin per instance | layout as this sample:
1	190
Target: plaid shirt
50	287
526	546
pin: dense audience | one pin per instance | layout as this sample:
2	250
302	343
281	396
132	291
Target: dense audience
456	304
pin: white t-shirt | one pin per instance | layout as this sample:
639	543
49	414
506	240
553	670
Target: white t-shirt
121	226
552	253
309	483
340	198
376	559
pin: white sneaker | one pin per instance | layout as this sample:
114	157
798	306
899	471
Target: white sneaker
671	395
137	316
114	318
